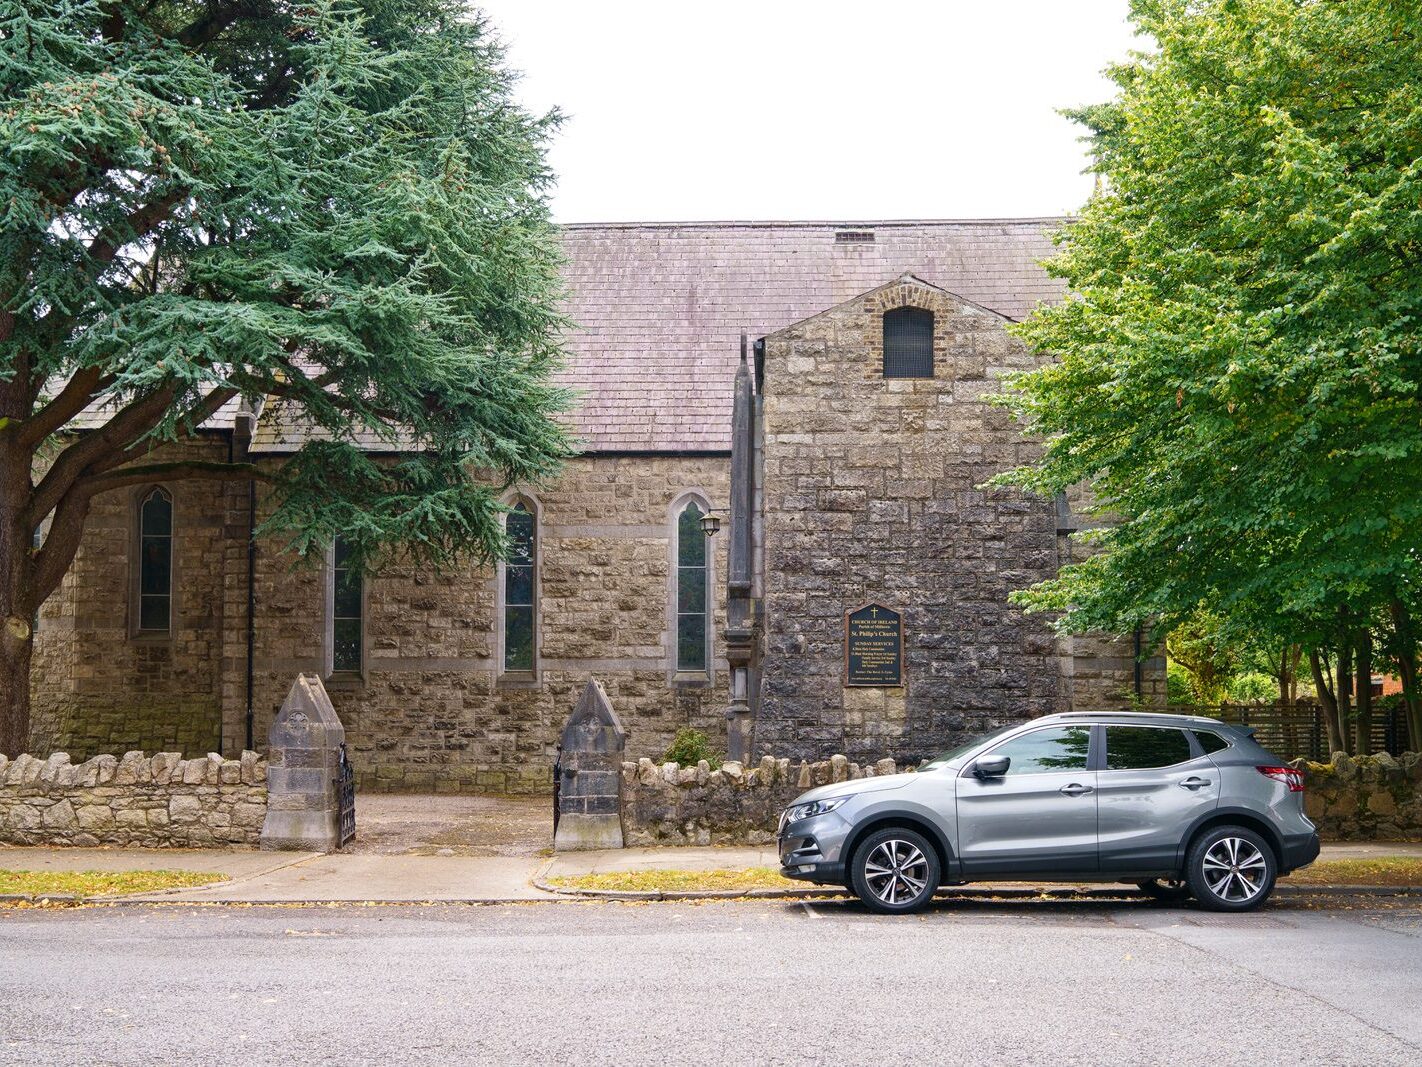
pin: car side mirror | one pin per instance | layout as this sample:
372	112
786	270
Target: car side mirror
992	766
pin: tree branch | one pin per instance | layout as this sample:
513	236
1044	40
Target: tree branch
200	413
54	558
76	395
218	18
74	462
188	469
138	222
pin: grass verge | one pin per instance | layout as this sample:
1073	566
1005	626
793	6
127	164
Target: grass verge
100	883
675	881
1385	870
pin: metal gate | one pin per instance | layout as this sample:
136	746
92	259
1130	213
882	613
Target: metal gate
345	796
557	785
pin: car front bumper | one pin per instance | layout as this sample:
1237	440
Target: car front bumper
810	849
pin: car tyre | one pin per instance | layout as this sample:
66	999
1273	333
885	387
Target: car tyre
1166	890
1231	868
895	871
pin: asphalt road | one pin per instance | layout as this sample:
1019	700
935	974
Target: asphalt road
772	982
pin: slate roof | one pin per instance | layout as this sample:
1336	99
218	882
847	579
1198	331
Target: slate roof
660	306
659	309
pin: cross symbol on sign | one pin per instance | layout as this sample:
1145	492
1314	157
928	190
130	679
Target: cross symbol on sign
873	613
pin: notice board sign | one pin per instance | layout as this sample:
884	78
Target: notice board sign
873	647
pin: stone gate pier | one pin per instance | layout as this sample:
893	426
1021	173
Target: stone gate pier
304	771
590	770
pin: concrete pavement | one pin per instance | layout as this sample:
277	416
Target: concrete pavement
298	877
772	982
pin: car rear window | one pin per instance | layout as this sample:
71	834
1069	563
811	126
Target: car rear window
1139	747
1210	742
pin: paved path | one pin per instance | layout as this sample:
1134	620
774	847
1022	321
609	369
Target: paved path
266	877
427	825
773	983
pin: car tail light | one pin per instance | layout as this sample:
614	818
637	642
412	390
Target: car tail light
1290	776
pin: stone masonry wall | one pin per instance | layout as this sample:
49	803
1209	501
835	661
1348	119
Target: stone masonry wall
432	712
872	493
95	686
431	709
162	801
1365	798
667	804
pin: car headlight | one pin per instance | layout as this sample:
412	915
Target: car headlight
815	807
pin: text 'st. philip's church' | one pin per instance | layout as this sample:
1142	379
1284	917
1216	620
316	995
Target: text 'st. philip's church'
854	598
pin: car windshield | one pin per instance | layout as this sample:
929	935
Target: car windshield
953	753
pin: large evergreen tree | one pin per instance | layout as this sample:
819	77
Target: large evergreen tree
1241	360
335	205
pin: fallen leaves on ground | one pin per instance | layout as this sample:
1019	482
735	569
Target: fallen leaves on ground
100	883
680	881
1385	870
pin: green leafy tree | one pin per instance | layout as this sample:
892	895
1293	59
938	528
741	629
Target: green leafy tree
337	206
1240	372
1209	661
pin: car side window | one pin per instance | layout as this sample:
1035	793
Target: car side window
1062	748
1130	748
1210	742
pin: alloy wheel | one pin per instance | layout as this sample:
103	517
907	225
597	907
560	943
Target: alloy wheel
896	871
1235	870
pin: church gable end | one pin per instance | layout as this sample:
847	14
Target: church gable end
872	493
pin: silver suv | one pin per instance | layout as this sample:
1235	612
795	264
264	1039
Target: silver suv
1178	805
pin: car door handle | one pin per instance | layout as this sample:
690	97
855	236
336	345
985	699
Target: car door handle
1194	782
1076	790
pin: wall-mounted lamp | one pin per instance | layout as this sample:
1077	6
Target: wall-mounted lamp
710	523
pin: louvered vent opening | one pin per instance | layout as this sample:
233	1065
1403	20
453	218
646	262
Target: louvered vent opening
854	237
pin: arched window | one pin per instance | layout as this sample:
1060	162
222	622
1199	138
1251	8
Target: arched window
520	589
692	591
346	608
908	343
155	563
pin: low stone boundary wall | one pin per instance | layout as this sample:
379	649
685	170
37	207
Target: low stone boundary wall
160	801
1351	798
667	804
1365	798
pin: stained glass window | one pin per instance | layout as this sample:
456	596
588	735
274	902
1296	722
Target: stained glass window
155	563
520	582
692	602
347	610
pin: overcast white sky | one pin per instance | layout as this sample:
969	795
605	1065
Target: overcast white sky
792	109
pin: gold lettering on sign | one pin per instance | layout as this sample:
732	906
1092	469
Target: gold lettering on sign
873	647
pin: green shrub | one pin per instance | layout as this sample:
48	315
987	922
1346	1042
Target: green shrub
1252	688
1177	685
690	748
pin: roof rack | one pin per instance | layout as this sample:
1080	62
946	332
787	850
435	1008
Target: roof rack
1124	714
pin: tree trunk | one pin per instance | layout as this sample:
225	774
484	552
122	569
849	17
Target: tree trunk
16	644
1363	721
1328	701
16	603
1407	671
1287	674
1343	690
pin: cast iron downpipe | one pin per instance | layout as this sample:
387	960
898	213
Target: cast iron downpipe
251	600
1137	664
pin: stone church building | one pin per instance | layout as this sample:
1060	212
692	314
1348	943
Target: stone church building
820	391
